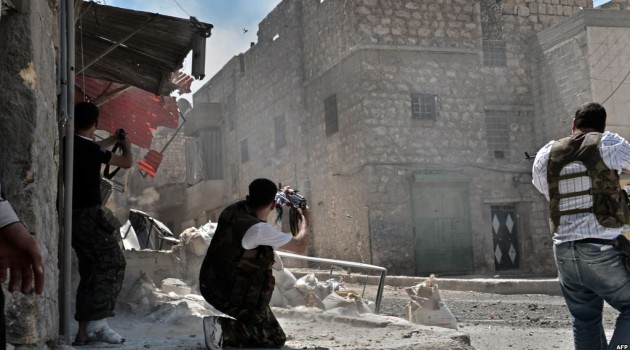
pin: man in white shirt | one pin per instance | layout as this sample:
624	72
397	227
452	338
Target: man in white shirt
579	175
236	276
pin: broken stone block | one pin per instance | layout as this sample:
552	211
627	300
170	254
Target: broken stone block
176	286
142	296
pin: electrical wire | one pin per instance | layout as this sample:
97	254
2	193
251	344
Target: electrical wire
618	86
180	6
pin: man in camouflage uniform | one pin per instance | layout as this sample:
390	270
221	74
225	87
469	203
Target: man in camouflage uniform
236	275
579	175
94	238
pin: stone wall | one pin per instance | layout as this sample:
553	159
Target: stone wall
265	81
560	74
29	158
373	55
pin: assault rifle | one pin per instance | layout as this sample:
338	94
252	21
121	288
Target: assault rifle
294	201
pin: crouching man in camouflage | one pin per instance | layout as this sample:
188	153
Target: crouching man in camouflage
236	275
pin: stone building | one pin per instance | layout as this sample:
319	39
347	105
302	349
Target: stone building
404	123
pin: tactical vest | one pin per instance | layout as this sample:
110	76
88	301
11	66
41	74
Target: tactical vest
231	275
610	202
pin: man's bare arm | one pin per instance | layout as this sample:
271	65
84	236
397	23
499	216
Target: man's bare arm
108	142
124	160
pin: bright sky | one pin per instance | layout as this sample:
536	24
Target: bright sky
229	17
599	2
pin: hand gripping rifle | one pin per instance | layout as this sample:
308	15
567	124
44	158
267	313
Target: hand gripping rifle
294	201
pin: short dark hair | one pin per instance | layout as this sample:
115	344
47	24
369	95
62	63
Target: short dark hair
591	116
85	115
261	193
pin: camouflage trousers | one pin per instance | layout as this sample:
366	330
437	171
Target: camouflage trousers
101	264
252	329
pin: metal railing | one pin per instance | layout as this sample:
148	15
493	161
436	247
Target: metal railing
382	270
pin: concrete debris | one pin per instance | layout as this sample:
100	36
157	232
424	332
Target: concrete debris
176	286
197	240
143	295
191	251
426	306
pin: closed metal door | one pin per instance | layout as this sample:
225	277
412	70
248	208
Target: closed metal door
443	242
504	237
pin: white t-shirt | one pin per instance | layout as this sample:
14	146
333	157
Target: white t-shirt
263	233
7	215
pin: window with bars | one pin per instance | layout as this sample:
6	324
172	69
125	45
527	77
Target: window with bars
330	114
423	106
494	54
212	154
280	131
497	131
244	151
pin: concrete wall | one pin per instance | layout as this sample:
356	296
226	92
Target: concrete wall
29	156
609	62
373	55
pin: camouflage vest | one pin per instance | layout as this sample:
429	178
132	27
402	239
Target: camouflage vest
610	202
236	276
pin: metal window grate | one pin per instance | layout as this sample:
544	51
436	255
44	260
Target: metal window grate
423	106
212	154
494	53
280	131
244	151
330	114
497	131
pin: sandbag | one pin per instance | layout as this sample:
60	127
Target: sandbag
284	279
277	262
426	306
335	300
294	297
277	298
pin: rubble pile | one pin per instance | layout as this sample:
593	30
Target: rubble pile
176	298
191	250
173	302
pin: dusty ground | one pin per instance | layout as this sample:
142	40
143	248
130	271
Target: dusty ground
491	321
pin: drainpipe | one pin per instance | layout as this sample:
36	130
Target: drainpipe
63	115
68	8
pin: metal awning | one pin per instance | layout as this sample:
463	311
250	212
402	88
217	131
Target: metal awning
137	48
